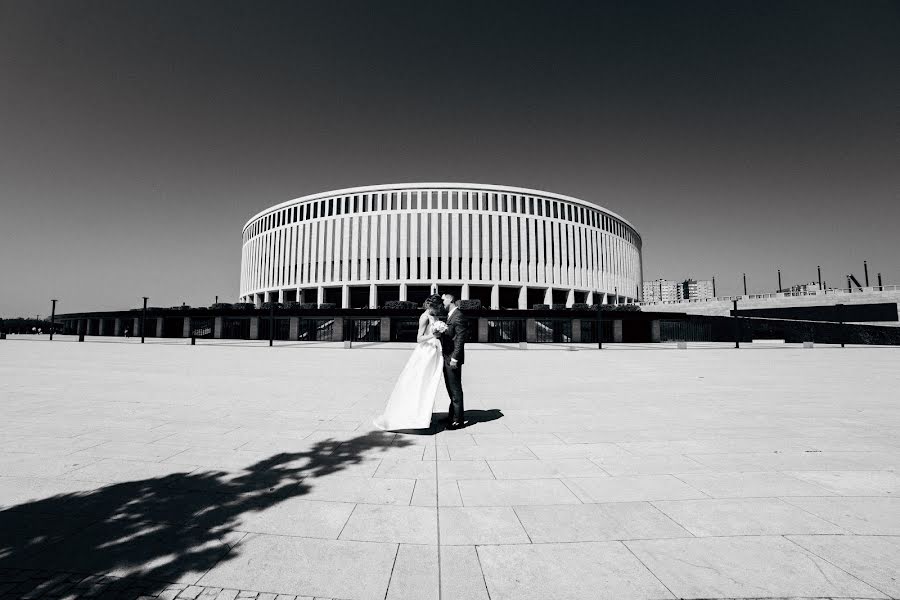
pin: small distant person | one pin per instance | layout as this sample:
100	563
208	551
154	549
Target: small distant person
127	333
33	330
40	331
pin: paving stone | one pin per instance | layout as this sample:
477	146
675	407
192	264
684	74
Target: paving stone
544	469
399	524
298	516
632	488
853	483
737	567
519	491
873	559
750	485
597	522
358	489
743	516
479	525
862	516
578	571
426	493
305	566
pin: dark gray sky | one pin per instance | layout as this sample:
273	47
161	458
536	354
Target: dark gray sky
136	138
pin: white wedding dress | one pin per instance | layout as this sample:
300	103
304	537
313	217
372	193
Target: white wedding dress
412	400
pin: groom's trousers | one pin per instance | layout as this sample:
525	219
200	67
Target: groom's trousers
453	381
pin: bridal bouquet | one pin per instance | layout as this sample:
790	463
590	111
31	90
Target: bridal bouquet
439	327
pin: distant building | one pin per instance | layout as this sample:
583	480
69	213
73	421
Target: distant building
691	289
661	290
509	247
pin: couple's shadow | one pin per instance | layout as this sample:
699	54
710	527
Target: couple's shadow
439	421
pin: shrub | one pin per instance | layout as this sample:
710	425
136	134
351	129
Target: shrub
276	305
244	305
470	305
308	306
399	304
327	306
222	306
558	306
619	308
581	306
540	307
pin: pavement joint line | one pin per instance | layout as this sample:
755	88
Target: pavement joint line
437	513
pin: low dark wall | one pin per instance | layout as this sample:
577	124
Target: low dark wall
791	331
864	313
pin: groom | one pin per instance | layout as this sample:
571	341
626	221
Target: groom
453	347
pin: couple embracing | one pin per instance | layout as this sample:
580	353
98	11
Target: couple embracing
440	349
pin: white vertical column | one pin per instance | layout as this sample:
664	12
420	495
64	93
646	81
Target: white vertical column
345	247
572	256
496	247
445	243
455	253
279	275
316	252
531	231
415	245
329	250
540	270
354	248
505	258
475	243
522	242
557	244
485	242
466	274
434	255
403	224
364	274
383	241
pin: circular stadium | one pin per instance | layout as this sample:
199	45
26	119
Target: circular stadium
506	246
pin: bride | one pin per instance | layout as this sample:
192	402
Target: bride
412	399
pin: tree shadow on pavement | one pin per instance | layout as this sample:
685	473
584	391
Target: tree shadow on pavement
169	529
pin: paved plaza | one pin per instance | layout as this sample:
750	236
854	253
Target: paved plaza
234	470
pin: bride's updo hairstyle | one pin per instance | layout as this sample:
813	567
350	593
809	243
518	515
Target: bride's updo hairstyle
433	301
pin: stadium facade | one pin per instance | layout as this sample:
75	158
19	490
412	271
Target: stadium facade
506	246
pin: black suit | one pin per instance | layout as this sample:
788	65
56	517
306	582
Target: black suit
453	345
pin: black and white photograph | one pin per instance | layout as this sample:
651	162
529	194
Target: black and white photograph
410	300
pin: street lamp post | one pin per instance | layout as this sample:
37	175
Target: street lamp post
143	317
819	268
779	280
714	286
745	284
866	272
52	318
879	282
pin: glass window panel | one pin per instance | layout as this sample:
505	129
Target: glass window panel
465	200
454	200
444	200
